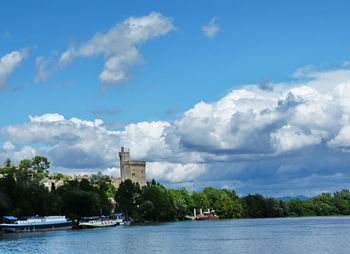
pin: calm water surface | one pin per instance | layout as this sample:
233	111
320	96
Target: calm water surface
287	235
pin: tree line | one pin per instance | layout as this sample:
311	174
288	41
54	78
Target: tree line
23	193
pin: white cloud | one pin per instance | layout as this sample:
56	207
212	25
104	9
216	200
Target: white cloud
146	139
16	154
114	172
44	68
261	138
119	46
211	29
46	118
174	172
8	64
290	138
8	146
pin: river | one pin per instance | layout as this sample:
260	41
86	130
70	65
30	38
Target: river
282	235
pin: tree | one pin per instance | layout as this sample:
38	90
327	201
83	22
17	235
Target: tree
25	164
7	163
255	206
225	203
128	199
79	203
183	202
295	207
200	200
323	204
163	204
40	164
273	208
341	202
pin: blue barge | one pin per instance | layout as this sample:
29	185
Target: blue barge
35	223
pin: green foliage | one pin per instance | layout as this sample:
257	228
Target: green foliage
82	199
341	202
225	203
7	163
40	164
25	164
58	176
128	198
183	202
200	200
104	184
157	197
22	193
295	207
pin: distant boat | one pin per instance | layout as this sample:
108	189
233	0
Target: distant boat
99	222
35	223
208	215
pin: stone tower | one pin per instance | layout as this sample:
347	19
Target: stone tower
133	170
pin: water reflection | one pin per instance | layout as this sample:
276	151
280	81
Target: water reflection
287	235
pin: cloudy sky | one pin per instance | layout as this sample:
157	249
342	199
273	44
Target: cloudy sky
252	96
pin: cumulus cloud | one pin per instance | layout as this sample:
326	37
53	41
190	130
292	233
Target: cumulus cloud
211	29
119	46
114	172
70	143
175	172
8	63
252	139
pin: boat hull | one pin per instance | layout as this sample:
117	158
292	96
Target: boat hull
98	224
17	228
207	217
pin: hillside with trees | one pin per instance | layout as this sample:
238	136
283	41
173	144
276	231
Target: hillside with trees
23	193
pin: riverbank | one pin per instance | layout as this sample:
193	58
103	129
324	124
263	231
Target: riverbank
24	194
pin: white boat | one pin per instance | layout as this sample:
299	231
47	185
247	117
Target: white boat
98	222
35	223
208	215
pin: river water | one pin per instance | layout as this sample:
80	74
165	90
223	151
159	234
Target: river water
283	235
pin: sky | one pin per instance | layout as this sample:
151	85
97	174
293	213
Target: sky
246	95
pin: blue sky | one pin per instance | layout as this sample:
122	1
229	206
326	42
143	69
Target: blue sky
177	82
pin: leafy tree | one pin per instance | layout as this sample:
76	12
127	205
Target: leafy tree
59	176
341	202
40	164
200	200
274	208
183	203
295	207
225	203
7	163
128	199
159	198
25	164
79	203
323	204
255	206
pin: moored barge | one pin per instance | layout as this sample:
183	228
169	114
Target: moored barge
35	223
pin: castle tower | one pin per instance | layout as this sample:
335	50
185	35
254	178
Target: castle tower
124	158
133	170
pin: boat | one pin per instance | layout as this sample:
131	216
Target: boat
99	222
208	215
122	220
34	223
